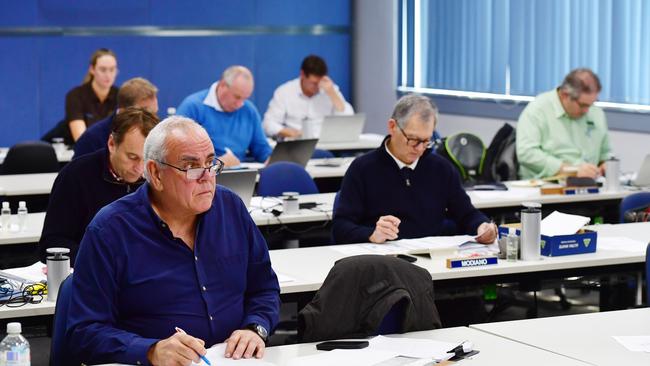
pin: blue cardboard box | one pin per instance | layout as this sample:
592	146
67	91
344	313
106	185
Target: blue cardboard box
554	246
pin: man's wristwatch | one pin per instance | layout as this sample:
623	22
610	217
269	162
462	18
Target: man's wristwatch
259	330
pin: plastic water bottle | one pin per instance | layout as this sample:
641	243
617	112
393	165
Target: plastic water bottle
14	349
5	216
22	215
512	245
171	111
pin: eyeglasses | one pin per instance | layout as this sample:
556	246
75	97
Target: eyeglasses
197	173
412	142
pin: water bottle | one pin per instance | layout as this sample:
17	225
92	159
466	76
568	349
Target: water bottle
14	349
612	172
5	216
171	111
58	268
512	246
531	218
22	215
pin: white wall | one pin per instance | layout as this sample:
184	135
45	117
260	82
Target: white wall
630	147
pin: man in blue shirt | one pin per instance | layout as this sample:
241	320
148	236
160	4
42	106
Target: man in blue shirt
136	92
232	121
179	252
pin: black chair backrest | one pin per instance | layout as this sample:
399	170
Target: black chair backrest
30	157
501	157
61	129
466	152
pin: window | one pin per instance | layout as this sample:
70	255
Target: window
513	49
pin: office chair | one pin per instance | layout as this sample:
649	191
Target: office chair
370	294
322	154
285	176
59	350
466	152
30	157
633	207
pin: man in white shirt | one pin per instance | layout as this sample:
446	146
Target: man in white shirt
299	105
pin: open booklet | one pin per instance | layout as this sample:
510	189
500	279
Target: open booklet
461	245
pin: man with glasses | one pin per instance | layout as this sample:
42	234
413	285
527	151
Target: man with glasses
232	121
90	182
401	190
562	132
174	268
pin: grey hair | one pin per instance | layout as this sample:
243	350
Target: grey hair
579	81
233	72
155	145
415	104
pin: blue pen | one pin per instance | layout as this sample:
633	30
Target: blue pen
179	330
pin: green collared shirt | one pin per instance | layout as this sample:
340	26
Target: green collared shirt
548	137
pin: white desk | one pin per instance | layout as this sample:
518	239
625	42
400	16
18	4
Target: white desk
493	350
317	168
585	337
514	196
26	184
367	141
322	212
62	156
32	233
309	266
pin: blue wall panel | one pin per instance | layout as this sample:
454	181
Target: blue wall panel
18	95
45	66
274	65
181	66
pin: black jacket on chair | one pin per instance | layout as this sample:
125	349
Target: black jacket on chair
358	293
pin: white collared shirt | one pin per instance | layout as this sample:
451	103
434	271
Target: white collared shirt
290	107
211	98
400	164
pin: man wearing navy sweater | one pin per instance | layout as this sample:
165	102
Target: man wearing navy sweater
401	190
90	182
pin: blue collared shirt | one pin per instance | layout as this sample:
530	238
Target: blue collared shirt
134	281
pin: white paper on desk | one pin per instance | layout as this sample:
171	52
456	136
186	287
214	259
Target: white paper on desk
558	223
413	347
357	357
621	244
30	274
358	249
434	242
634	343
216	356
474	248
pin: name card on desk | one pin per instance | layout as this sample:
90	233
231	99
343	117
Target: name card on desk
471	262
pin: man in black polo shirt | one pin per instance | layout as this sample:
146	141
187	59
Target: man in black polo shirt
88	183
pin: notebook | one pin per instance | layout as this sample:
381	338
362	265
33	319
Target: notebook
242	182
643	176
297	151
342	128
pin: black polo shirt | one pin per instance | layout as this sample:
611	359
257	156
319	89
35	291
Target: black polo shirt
82	103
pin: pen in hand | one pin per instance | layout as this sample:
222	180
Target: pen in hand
179	330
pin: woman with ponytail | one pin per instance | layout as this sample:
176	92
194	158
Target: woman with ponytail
96	98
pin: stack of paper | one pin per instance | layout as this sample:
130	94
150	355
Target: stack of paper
413	347
357	357
216	356
558	223
634	343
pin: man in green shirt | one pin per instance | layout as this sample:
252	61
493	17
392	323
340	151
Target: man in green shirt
561	131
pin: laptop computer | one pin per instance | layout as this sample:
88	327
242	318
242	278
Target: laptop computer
342	128
297	151
643	175
242	182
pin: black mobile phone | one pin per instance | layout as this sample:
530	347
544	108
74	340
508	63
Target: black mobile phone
408	258
330	345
